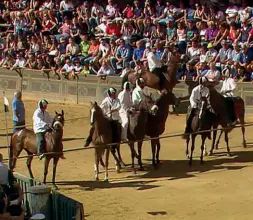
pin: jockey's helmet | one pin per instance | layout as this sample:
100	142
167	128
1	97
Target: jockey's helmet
42	103
127	86
111	91
139	81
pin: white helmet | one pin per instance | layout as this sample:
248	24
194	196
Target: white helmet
42	103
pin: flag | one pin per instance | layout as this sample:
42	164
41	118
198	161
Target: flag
6	104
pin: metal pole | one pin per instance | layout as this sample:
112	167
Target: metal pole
7	132
77	92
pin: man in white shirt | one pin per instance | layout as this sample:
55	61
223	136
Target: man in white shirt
227	90
20	62
126	104
213	75
199	91
225	54
41	124
110	9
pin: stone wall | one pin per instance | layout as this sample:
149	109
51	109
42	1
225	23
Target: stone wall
36	86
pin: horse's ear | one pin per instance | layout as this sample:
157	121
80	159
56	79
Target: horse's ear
62	112
91	103
95	103
56	112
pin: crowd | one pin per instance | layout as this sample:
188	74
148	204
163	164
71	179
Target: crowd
71	37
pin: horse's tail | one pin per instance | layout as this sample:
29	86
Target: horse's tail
239	108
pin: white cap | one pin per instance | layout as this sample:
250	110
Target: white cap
148	45
38	216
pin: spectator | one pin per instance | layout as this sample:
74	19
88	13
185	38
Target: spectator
72	49
137	53
66	70
213	74
18	110
190	73
112	29
246	56
123	54
211	32
211	53
105	69
225	54
20	62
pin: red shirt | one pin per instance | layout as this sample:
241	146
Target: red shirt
113	29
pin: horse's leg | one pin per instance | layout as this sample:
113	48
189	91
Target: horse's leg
203	137
56	159
242	122
158	151
218	141
214	139
133	153
46	164
119	156
117	161
29	163
226	139
187	147
107	153
140	155
96	165
153	147
192	149
102	162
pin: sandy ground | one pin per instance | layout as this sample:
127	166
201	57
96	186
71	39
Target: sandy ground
219	189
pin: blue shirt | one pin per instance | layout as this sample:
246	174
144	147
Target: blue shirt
159	54
246	58
124	52
18	105
138	53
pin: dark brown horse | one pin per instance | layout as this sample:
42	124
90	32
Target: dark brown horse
151	80
101	138
26	140
137	129
240	115
202	120
219	104
156	123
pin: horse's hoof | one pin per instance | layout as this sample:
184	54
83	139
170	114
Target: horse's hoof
229	154
118	170
123	164
55	187
141	169
216	147
210	153
187	157
106	180
244	145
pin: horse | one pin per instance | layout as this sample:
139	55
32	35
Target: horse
153	81
156	123
25	139
202	120
137	129
239	113
102	136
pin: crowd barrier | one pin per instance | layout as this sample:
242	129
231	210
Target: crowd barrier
35	85
62	207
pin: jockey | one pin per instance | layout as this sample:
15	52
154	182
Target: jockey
199	91
227	90
126	104
41	124
155	66
110	107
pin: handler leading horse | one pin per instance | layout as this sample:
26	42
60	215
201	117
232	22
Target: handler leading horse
26	140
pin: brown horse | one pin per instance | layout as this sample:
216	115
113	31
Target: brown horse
151	80
137	129
26	140
156	123
240	115
202	120
102	136
218	101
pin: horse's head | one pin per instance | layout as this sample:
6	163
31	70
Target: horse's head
203	106
95	112
58	120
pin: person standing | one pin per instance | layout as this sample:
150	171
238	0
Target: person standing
18	110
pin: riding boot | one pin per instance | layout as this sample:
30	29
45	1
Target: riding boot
89	138
40	138
188	124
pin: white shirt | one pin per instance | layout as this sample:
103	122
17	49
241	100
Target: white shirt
66	6
110	10
228	84
108	105
20	62
153	61
4	173
198	92
104	49
40	121
106	70
138	94
193	52
68	68
125	100
213	75
232	11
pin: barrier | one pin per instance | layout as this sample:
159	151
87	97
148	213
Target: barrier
91	88
62	207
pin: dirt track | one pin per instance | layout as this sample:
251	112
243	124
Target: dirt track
220	189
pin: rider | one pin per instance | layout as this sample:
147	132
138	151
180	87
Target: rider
110	107
126	103
199	91
227	90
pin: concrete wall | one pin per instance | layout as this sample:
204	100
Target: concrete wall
91	88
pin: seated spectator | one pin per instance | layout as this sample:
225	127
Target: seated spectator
66	70
211	53
170	31
191	31
244	31
231	12
225	54
7	60
20	62
242	75
84	45
203	31
202	56
72	49
92	52
202	69
235	55
105	69
211	32
194	52
31	62
77	69
137	54
190	73
123	54
222	33
246	56
104	50
112	29
213	74
234	32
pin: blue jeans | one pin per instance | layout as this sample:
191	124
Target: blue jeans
18	123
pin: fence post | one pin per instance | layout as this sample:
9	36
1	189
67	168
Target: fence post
41	200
